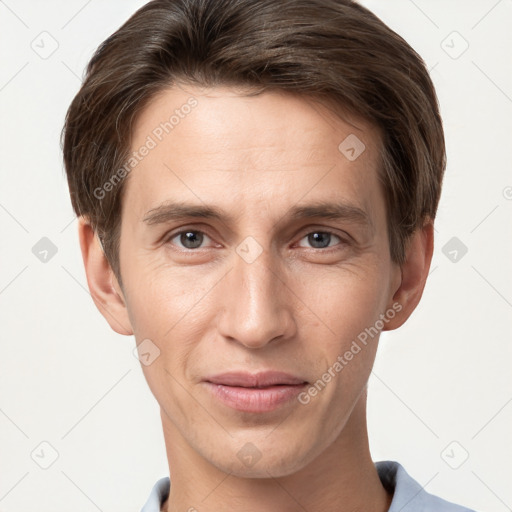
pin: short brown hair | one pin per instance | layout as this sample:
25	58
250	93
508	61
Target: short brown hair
334	50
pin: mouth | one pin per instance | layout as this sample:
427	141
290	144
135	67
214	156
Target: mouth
254	393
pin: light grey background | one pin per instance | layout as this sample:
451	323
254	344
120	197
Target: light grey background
441	391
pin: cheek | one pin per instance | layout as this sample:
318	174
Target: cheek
171	308
162	294
345	300
341	341
174	308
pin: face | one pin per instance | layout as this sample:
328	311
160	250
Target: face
254	257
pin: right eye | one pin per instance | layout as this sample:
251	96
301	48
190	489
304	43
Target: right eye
189	239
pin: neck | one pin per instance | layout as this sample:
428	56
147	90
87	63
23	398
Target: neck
342	478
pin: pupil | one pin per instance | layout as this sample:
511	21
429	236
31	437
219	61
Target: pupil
319	240
191	239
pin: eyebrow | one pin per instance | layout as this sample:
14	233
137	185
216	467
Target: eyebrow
173	211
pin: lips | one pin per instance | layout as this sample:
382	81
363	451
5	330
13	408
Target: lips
256	380
254	393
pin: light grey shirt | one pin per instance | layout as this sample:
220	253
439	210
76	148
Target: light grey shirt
408	495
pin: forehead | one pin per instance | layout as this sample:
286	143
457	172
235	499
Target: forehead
252	153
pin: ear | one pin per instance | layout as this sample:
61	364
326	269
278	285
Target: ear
414	274
105	290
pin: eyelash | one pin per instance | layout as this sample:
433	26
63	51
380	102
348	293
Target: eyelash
323	231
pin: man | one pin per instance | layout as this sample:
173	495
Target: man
257	183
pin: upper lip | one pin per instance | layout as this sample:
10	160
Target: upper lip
255	380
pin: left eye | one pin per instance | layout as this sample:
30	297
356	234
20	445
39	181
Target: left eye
320	239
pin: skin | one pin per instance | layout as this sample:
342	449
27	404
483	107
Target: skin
295	308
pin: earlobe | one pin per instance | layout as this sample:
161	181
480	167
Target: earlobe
101	280
414	273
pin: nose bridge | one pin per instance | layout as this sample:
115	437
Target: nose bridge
257	310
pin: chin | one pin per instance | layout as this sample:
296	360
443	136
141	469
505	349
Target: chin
260	457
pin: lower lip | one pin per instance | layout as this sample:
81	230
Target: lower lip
256	400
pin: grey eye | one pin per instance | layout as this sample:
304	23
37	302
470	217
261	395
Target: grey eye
320	239
191	239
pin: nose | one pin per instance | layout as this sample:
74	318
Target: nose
256	302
